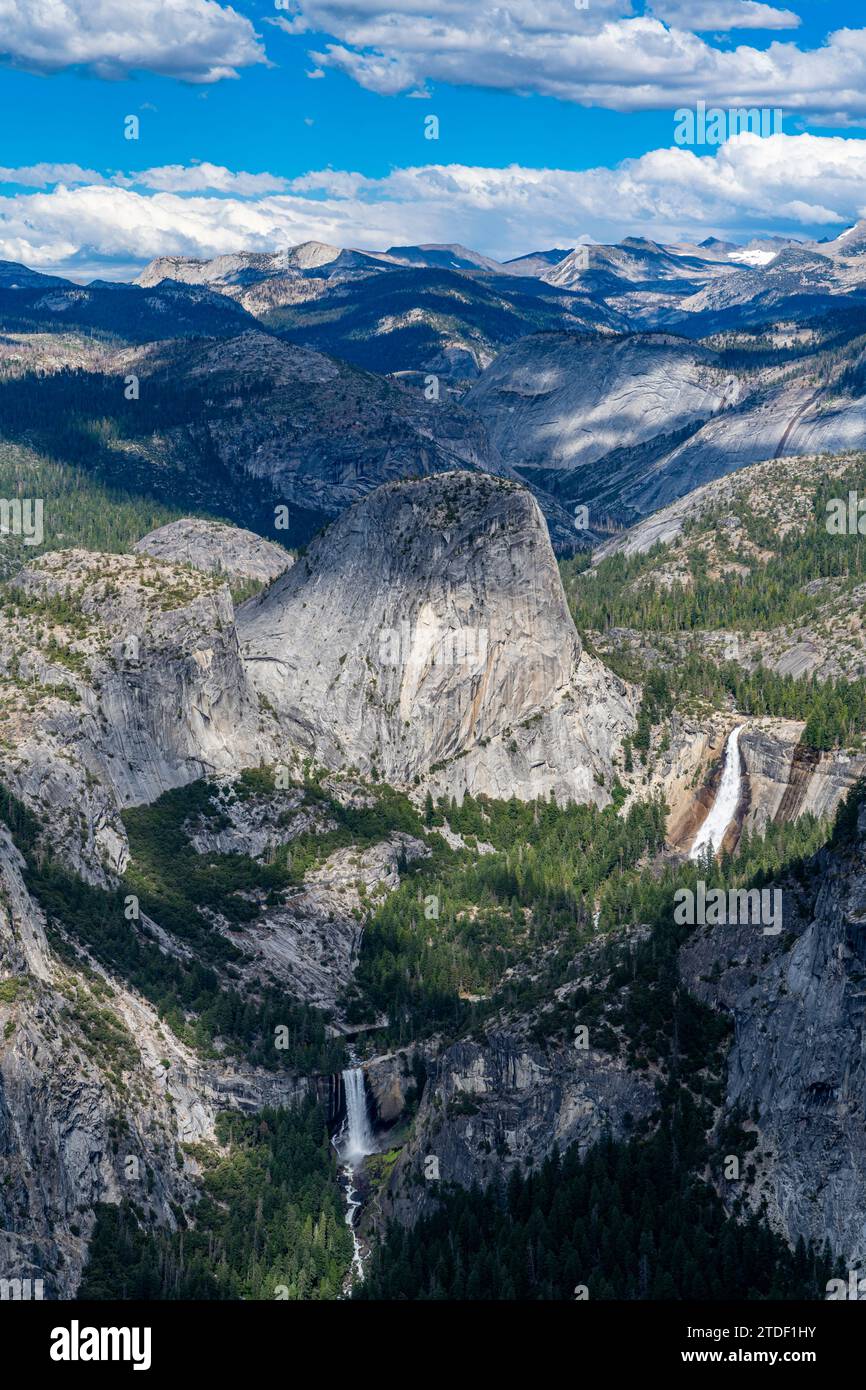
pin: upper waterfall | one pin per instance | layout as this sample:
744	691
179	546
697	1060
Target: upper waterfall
724	808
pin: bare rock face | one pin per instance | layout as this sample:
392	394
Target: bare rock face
121	678
559	401
75	1050
427	635
492	1106
217	549
429	625
311	942
787	780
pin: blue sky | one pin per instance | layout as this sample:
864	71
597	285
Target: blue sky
257	122
615	90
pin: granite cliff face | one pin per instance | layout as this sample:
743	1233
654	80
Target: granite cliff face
785	779
121	679
652	384
630	424
427	636
796	1067
501	1103
424	639
307	938
96	1096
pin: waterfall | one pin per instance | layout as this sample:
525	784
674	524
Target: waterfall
358	1139
723	809
355	1141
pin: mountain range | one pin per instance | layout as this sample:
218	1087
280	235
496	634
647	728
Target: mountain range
613	378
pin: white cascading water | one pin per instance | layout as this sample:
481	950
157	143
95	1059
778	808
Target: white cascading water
724	808
354	1143
358	1141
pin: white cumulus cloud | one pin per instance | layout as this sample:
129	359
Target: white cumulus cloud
195	40
46	174
199	177
204	177
604	55
719	15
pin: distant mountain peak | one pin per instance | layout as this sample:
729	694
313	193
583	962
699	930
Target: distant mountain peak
851	242
15	276
640	243
714	243
445	256
537	263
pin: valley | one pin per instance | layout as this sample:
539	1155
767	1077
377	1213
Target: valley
348	786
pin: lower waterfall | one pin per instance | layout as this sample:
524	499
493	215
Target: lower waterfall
353	1143
358	1137
724	808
